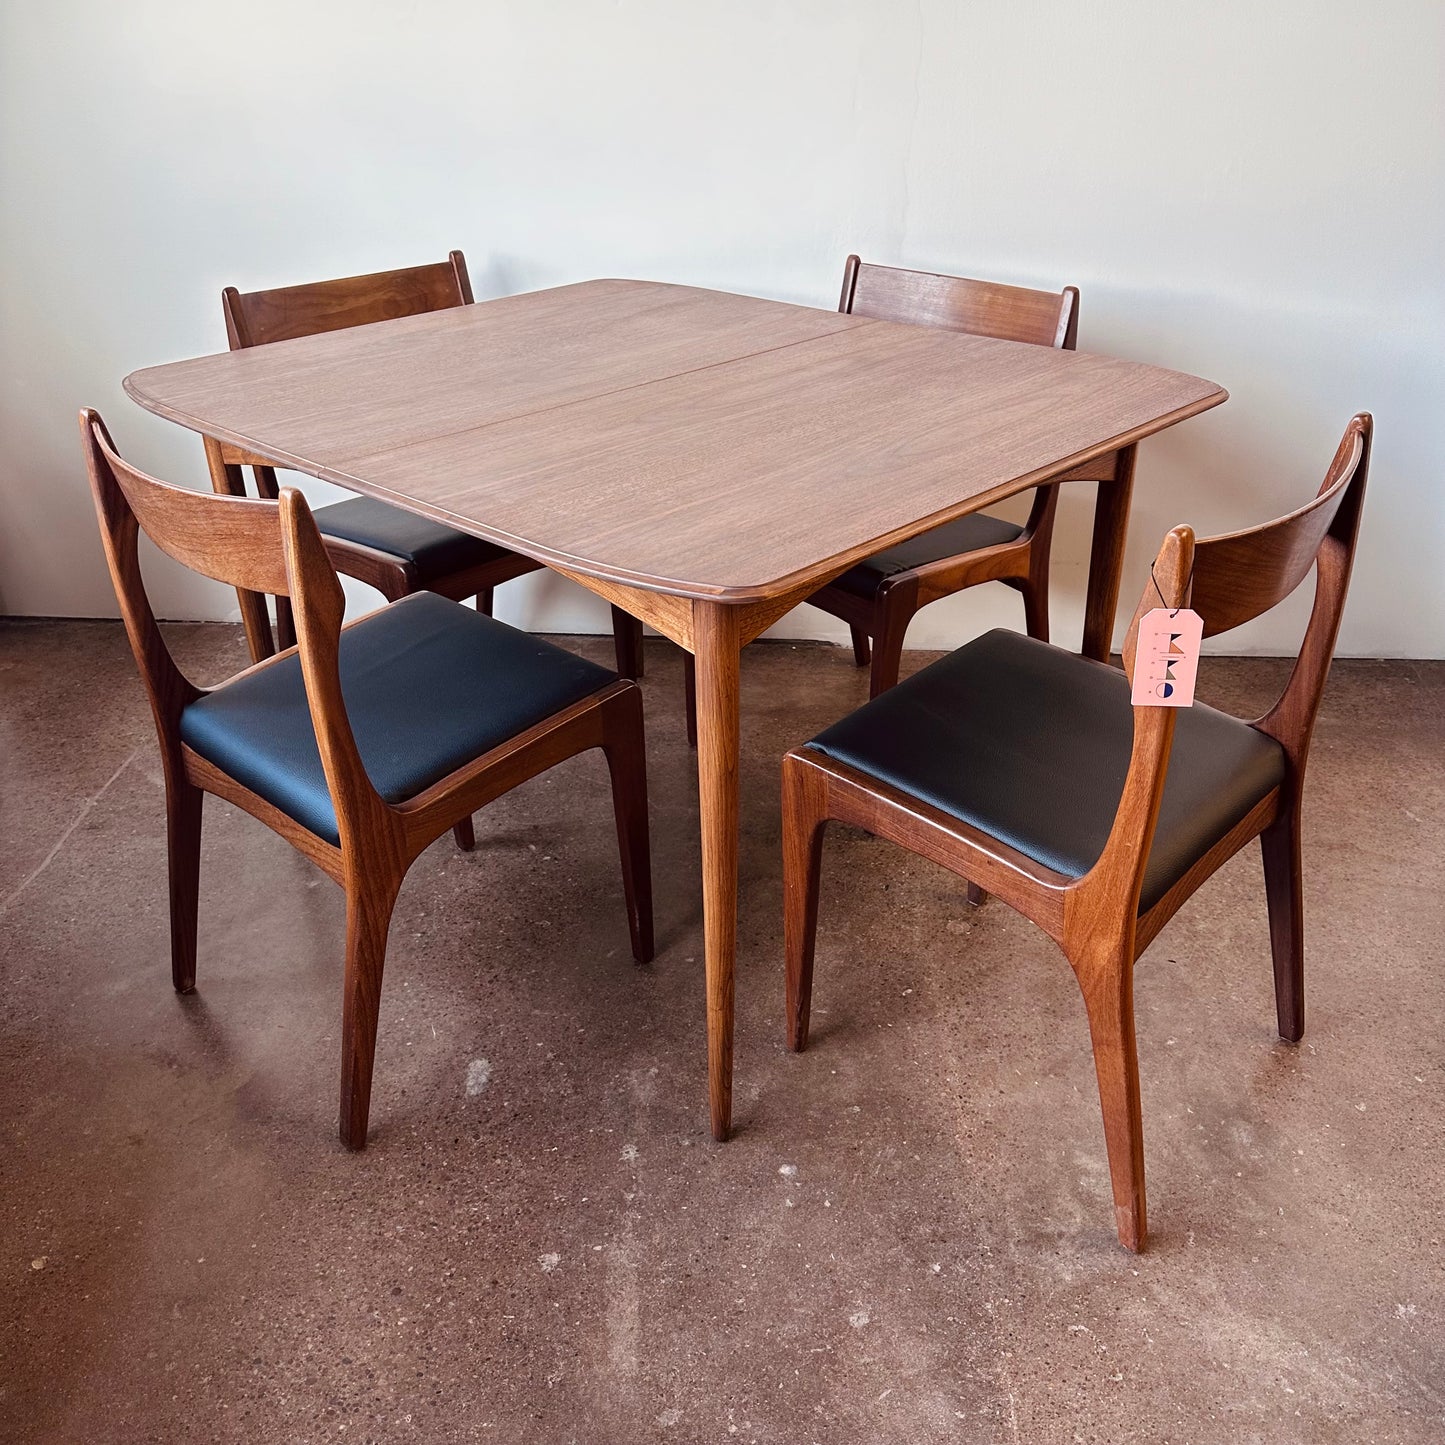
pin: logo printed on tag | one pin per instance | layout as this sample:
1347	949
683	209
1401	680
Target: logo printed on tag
1166	658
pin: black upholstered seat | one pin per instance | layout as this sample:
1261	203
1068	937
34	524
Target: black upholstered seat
1031	744
433	549
429	685
967	534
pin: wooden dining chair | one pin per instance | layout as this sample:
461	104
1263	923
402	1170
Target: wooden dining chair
1026	770
387	547
363	744
879	596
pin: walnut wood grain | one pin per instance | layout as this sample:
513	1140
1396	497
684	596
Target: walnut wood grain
1095	919
264	318
350	393
669	614
718	644
258	318
980	308
684	444
1106	554
274	546
752	478
958	303
680	440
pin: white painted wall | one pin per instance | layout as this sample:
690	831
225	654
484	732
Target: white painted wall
1252	192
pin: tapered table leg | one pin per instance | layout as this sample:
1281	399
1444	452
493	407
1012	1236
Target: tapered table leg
716	643
1106	556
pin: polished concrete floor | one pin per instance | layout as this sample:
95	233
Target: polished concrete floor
910	1237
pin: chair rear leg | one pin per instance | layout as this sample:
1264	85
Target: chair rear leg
861	649
369	904
1108	987
1036	607
183	854
626	753
689	696
1280	844
465	835
627	640
804	818
285	625
894	615
486	598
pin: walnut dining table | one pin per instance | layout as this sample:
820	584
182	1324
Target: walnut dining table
703	460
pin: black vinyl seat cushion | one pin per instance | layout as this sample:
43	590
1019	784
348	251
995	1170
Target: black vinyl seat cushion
433	549
429	685
1030	744
966	534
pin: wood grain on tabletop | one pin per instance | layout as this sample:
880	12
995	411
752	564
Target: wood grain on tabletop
708	444
333	397
744	478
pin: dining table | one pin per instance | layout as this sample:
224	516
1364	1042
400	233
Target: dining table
703	460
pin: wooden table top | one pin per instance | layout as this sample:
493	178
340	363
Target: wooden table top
664	437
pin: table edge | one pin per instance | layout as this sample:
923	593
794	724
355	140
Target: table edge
749	593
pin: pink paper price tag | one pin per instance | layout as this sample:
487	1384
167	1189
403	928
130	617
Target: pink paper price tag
1166	658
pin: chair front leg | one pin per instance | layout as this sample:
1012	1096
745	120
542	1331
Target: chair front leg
369	903
1106	978
1280	844
627	762
805	815
465	835
183	853
1036	609
893	611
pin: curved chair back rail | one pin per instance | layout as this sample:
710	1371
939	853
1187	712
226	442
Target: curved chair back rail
880	769
250	543
236	540
257	318
453	708
1235	577
956	303
1239	575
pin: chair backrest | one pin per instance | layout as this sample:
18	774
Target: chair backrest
256	545
1239	575
1229	580
1236	576
982	308
257	318
254	318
